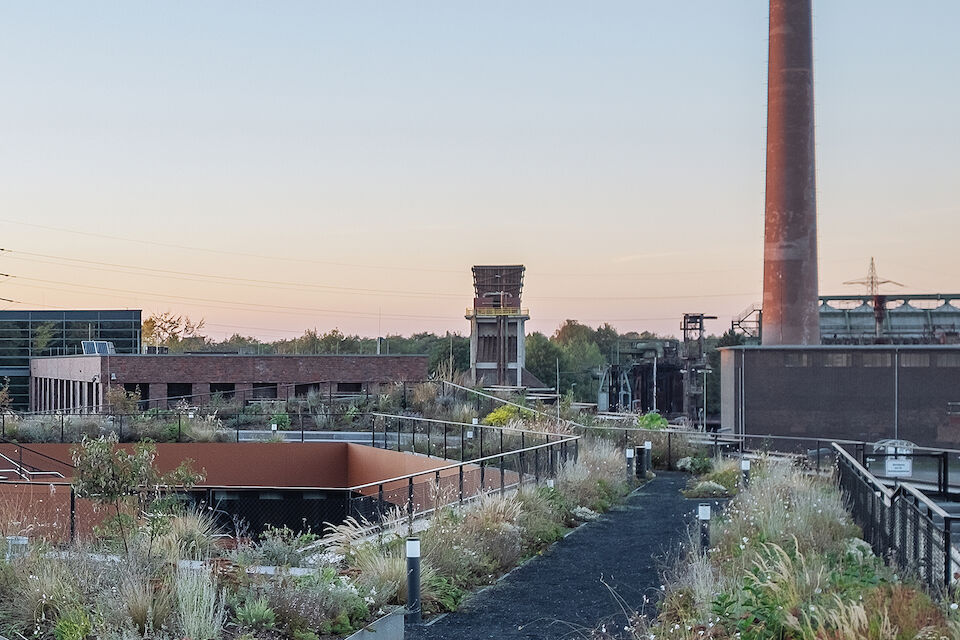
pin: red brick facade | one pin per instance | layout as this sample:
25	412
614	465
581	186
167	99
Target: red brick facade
67	382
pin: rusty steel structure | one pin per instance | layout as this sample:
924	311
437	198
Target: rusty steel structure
497	353
790	314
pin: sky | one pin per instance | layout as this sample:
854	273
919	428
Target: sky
272	167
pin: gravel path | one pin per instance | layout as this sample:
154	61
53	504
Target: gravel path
560	594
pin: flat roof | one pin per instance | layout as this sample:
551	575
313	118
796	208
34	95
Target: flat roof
844	347
235	355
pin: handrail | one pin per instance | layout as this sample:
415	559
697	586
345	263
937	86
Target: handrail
917	494
22	471
862	471
42	455
473	461
461	424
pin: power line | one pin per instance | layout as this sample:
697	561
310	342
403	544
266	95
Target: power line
222	251
198	277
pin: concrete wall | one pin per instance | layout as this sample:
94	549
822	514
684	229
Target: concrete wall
857	393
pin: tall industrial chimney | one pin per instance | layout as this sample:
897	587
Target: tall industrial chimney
790	313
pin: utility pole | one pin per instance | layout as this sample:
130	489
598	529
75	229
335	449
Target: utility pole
558	389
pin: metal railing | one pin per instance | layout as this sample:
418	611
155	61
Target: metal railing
490	459
902	524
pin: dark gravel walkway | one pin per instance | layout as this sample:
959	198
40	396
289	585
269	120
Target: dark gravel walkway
560	594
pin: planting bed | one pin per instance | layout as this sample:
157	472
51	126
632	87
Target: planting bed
565	591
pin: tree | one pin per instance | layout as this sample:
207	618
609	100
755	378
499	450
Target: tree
176	332
583	360
5	398
607	338
42	337
542	356
111	476
572	331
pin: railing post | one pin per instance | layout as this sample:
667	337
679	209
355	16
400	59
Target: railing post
716	445
929	550
818	456
462	444
445	441
947	553
460	469
536	466
669	451
502	471
429	438
380	500
179	426
399	422
410	499
523	445
73	515
945	461
61	428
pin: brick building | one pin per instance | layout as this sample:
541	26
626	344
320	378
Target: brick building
870	392
78	383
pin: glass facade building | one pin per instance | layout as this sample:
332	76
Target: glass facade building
24	334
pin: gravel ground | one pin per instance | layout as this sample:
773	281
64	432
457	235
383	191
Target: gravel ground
560	594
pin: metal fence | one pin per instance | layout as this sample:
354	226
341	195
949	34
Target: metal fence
490	459
902	524
37	499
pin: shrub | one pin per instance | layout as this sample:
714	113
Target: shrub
652	420
505	414
73	625
697	465
256	615
282	547
146	603
322	604
597	479
201	610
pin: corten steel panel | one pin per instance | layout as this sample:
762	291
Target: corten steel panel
366	464
790	311
267	464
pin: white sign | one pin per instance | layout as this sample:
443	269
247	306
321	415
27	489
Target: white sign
898	466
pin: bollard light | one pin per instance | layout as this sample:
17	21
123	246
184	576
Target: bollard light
273	426
549	483
414	610
648	453
629	453
703	515
745	471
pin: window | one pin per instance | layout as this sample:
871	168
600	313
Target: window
225	389
264	390
914	359
837	359
796	360
948	360
349	387
876	360
179	391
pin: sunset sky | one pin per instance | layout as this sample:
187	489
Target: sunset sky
271	167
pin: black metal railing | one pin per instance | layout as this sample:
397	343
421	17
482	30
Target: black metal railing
902	524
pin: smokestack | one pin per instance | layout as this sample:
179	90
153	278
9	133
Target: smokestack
790	313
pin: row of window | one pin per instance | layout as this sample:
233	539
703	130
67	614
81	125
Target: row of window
881	359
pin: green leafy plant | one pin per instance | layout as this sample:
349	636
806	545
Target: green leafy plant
110	475
256	615
652	420
73	625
